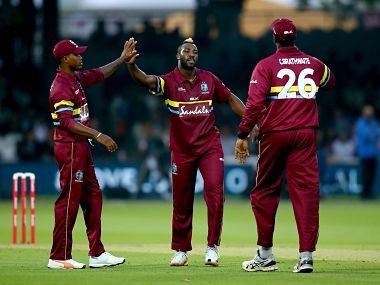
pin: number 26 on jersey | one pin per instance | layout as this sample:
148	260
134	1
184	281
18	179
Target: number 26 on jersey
305	87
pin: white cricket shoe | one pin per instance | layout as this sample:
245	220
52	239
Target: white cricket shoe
212	256
304	265
104	260
260	264
180	258
65	264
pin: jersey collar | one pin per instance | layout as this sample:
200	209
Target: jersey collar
287	49
181	78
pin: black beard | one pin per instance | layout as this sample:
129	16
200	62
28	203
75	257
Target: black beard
185	66
75	68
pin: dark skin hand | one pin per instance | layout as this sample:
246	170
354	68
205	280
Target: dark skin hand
105	140
108	142
127	54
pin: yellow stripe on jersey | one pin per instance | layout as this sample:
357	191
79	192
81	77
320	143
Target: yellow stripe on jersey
160	87
176	103
75	112
278	89
325	73
63	102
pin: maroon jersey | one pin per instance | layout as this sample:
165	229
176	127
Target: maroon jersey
68	102
191	107
282	92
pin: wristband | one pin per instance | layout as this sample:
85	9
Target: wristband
98	135
242	135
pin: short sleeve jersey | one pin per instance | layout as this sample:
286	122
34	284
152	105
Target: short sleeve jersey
68	102
191	108
282	92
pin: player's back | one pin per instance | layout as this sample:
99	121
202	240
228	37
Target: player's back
294	79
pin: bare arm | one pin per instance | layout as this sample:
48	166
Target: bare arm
241	147
105	140
236	105
150	81
127	54
111	67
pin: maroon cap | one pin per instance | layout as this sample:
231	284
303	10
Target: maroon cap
284	29
66	47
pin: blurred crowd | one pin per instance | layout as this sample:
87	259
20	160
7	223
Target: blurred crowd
139	122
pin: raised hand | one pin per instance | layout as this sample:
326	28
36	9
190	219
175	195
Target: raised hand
129	53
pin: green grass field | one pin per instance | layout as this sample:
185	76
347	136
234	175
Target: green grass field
348	248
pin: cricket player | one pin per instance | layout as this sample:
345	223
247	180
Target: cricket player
190	94
78	183
282	101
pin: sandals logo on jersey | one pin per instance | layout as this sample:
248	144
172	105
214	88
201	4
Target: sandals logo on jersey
174	169
204	87
195	109
79	176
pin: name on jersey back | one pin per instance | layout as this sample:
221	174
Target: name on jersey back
294	60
